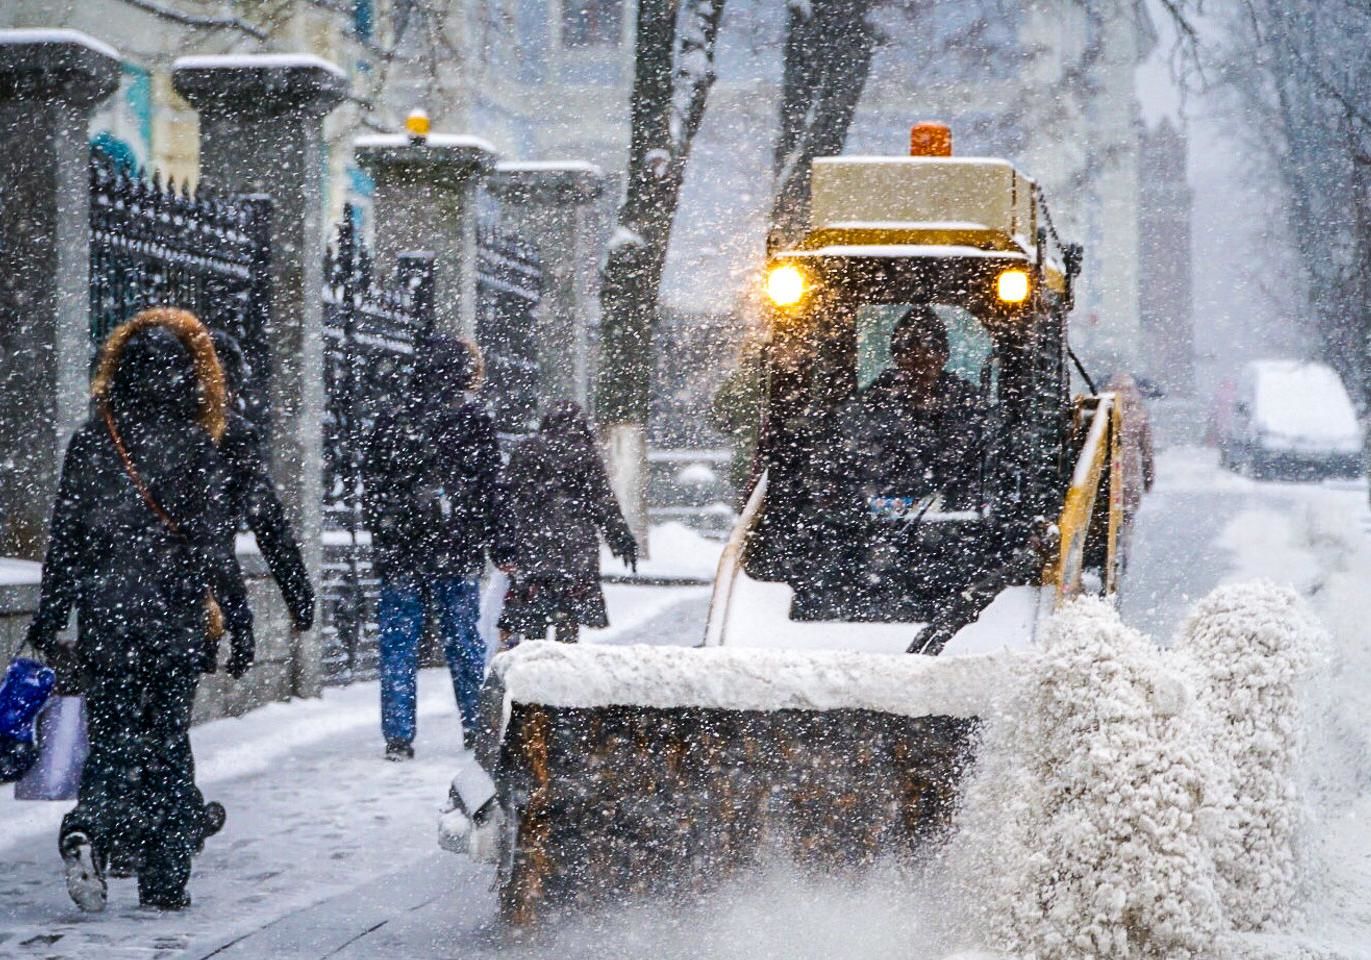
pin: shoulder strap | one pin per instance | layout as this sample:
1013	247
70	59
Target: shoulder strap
132	472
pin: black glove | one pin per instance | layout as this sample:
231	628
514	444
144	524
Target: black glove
626	549
240	658
43	643
62	659
303	618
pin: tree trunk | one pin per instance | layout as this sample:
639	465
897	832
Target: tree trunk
672	78
828	51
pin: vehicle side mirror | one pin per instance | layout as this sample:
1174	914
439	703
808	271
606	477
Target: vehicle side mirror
1072	256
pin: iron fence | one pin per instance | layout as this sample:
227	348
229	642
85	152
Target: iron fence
372	329
155	245
509	288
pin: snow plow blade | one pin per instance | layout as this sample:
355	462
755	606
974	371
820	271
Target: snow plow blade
651	771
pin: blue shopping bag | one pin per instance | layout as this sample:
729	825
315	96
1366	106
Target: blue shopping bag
23	694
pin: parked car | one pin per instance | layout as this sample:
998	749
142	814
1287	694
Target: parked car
1292	419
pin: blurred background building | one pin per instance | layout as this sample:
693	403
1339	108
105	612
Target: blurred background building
1050	85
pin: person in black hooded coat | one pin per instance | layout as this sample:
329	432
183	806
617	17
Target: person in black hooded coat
558	502
139	565
430	503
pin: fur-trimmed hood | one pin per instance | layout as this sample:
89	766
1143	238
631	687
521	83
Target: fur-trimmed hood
195	337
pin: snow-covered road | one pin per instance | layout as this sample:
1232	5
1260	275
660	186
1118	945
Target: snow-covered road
330	852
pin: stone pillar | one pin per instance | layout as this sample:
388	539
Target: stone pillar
424	200
50	82
549	203
261	131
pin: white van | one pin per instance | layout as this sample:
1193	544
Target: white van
1292	419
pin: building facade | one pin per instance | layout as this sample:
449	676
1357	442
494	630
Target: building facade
1047	83
1164	271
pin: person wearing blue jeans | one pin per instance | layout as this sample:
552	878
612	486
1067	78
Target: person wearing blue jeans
400	615
430	481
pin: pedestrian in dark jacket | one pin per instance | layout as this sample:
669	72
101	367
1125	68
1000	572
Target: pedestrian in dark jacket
558	502
137	548
252	495
429	485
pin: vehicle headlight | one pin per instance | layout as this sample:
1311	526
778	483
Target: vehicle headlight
786	285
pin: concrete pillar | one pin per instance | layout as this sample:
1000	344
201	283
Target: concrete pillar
424	200
549	203
261	131
50	82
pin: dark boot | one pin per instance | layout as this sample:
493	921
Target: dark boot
167	903
398	750
162	883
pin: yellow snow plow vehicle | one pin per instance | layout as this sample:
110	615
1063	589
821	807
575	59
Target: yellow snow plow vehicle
899	511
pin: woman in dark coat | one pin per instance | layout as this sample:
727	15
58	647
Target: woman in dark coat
137	548
558	502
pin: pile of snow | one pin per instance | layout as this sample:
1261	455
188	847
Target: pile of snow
15	572
727	678
1139	802
1251	647
1093	798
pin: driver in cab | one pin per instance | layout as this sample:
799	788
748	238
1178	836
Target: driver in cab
920	423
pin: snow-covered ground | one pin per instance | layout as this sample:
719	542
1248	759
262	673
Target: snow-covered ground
676	554
329	851
315	813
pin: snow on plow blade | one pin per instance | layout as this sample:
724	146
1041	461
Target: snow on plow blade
650	771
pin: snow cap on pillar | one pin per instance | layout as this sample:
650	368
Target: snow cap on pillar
441	159
260	84
56	64
568	182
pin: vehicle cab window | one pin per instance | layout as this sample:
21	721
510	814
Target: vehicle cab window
970	347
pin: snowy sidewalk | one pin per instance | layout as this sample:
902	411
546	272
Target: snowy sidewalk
314	815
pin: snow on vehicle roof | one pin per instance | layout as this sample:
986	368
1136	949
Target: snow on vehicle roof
920	161
1301	399
906	250
728	678
906	225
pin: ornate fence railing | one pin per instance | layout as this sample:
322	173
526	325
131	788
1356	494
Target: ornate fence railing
509	287
154	245
371	332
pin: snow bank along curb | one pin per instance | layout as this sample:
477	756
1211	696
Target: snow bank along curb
1136	802
735	678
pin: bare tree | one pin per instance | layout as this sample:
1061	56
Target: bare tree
673	74
829	48
1300	71
829	45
